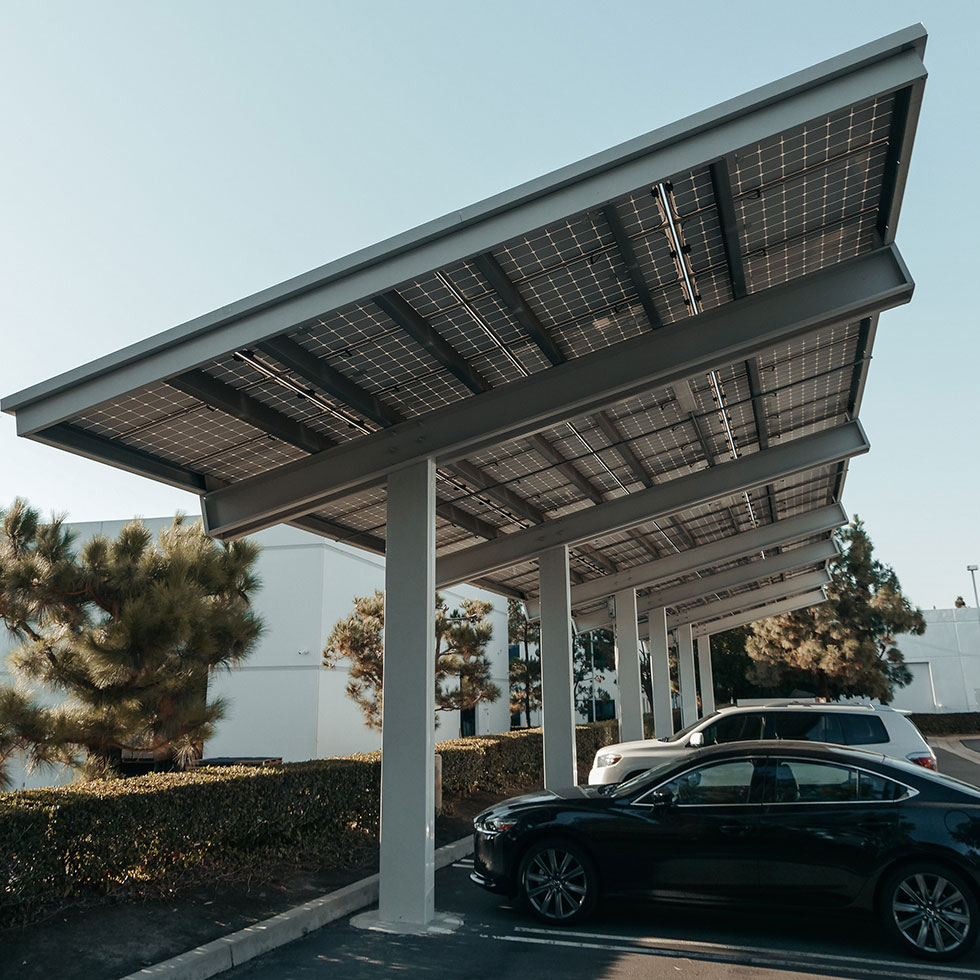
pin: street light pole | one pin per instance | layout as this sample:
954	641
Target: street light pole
972	569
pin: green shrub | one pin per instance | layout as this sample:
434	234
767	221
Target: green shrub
132	835
102	837
953	723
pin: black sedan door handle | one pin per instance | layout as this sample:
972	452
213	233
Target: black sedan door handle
734	829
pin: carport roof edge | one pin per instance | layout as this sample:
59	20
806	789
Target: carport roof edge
194	342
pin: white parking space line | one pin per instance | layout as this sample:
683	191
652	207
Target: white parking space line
747	955
703	944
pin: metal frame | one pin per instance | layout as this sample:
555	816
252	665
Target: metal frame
405	452
722	480
802	601
888	64
836	295
779	533
744	601
737	577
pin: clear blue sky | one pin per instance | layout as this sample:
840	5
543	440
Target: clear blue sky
161	159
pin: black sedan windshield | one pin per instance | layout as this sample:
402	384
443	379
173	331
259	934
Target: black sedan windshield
643	781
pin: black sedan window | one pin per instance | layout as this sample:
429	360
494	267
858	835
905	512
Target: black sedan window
729	783
810	781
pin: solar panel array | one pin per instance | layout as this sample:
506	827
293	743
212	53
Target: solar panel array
680	244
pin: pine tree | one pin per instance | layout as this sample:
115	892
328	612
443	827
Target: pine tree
593	656
525	669
730	666
845	646
125	631
462	668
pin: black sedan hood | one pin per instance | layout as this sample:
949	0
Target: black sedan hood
547	796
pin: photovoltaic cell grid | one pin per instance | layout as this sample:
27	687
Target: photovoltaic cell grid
803	200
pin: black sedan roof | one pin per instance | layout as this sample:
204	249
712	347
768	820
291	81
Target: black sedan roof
898	769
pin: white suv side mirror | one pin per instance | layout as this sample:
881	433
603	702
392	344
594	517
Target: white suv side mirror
696	740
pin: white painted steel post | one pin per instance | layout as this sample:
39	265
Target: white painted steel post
557	685
685	675
707	677
407	864
628	667
663	713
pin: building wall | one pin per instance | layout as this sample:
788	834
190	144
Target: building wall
945	663
282	701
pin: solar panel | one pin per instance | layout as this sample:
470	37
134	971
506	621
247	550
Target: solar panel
642	240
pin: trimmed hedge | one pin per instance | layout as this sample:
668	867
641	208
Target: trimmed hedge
953	723
107	837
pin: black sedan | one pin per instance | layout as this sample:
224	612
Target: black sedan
784	824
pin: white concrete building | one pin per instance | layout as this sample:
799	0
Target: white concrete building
282	701
945	663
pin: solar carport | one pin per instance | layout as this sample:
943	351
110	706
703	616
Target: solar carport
626	393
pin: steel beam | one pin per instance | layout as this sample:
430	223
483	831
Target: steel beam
802	601
707	675
102	450
424	334
711	340
628	255
704	556
240	405
407	864
663	711
321	375
686	678
628	667
740	576
722	186
566	468
557	683
491	271
745	600
686	492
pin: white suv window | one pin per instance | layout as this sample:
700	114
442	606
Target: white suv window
863	729
739	727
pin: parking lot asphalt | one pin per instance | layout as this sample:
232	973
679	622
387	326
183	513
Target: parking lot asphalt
959	758
624	941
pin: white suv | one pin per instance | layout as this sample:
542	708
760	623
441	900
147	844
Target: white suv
872	727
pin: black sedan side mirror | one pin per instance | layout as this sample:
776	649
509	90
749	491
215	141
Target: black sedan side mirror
662	798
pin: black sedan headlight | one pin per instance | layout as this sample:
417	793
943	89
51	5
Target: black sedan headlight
491	824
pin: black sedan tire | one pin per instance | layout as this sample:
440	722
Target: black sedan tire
930	911
558	882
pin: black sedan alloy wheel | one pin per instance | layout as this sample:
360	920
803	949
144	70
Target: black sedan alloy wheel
558	882
930	911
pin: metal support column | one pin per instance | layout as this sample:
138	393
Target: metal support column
685	675
407	864
557	685
707	678
663	713
628	667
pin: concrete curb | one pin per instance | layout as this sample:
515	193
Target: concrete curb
230	951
